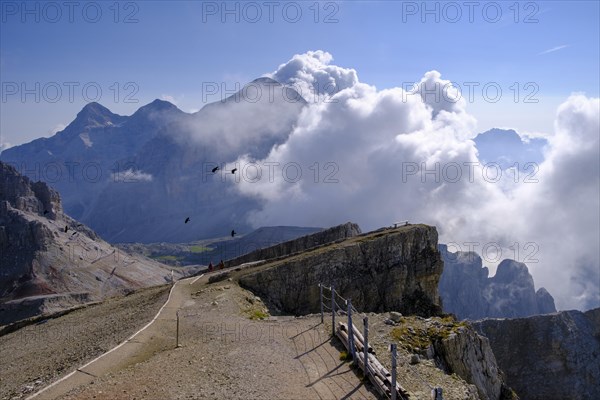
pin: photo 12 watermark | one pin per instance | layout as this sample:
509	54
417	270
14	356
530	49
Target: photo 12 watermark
494	252
271	172
453	12
53	92
252	332
53	12
454	172
472	91
252	12
267	92
75	171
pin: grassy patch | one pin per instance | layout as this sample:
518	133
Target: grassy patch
166	258
199	249
345	356
411	334
258	314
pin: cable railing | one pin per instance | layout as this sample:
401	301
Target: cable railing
357	344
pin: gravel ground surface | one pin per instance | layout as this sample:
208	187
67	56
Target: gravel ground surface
417	379
36	355
230	349
229	353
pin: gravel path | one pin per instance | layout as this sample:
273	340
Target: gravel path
36	355
226	352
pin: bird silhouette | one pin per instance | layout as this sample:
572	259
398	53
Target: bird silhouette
66	228
233	233
215	169
233	170
187	220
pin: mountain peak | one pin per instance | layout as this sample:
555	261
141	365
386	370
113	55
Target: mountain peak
94	109
512	271
156	106
94	114
265	80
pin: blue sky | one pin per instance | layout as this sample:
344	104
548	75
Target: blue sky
548	49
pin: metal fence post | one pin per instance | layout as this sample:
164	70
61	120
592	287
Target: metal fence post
366	344
393	388
321	300
177	336
351	331
332	310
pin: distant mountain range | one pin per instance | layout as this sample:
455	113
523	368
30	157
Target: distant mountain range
468	292
506	148
138	178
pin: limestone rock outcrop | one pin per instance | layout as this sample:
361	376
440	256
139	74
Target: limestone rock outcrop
470	356
386	270
51	262
300	244
549	357
468	292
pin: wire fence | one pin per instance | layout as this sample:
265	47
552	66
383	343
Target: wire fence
361	352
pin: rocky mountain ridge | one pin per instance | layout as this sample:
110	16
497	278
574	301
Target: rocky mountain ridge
51	262
391	269
468	292
549	357
395	269
102	163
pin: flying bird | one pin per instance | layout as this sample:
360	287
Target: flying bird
187	220
215	169
233	233
233	170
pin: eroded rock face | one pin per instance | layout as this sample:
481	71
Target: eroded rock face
470	356
468	292
50	262
548	357
300	244
387	270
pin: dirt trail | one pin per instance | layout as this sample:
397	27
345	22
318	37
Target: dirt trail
223	354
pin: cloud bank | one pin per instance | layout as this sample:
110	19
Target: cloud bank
380	156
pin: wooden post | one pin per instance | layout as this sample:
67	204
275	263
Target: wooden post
351	331
366	344
321	300
393	348
177	336
332	310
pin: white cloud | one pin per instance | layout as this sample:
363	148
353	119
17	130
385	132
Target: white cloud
263	114
313	76
396	156
5	146
130	176
56	129
169	98
553	49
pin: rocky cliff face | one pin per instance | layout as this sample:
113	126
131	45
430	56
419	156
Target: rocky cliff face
391	269
300	244
470	356
468	292
50	262
548	357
